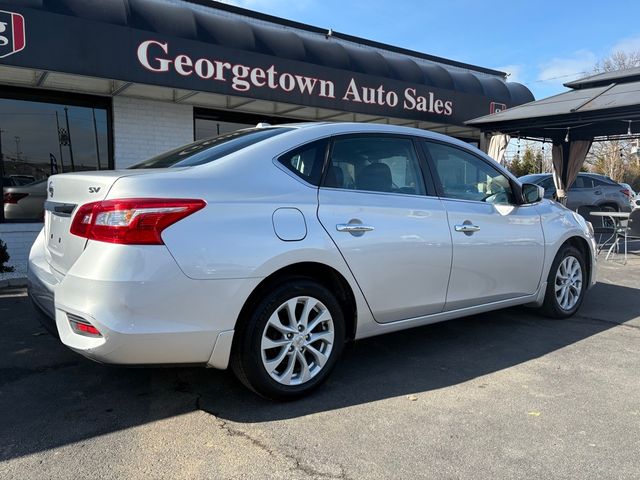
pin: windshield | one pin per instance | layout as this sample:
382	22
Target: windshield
535	178
205	151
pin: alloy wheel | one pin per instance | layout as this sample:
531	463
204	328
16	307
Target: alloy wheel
568	283
297	340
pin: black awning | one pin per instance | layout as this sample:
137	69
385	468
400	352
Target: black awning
102	38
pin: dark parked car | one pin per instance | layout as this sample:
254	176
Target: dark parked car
589	189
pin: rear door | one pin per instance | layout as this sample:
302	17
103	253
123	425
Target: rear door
389	226
609	193
498	246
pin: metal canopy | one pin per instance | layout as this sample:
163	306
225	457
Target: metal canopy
606	78
601	105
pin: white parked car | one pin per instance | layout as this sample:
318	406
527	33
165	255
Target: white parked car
268	248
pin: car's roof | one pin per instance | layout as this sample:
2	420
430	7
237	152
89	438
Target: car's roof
30	187
580	174
347	127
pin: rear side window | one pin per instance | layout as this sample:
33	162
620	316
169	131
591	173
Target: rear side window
600	183
306	162
205	151
375	164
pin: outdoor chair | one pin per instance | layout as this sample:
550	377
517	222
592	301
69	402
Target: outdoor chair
600	224
629	230
603	228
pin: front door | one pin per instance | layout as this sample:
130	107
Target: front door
582	192
374	204
498	246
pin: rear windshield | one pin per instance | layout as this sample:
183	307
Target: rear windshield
205	151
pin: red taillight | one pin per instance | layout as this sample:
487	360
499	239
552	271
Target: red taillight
131	221
11	197
627	192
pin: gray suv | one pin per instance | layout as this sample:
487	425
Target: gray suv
589	189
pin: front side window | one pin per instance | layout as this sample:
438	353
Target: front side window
375	164
464	176
581	182
548	184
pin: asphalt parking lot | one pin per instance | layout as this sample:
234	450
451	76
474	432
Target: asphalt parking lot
502	395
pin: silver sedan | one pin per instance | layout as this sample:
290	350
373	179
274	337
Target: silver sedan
25	201
268	248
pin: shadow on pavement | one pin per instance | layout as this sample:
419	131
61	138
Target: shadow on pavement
50	396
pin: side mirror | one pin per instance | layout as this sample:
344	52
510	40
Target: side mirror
532	193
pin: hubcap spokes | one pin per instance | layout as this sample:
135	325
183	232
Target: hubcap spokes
297	340
568	283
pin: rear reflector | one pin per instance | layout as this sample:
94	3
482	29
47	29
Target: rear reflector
10	197
82	327
131	221
627	192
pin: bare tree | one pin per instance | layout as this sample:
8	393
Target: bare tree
616	158
618	61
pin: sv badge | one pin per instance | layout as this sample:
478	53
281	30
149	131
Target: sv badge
94	189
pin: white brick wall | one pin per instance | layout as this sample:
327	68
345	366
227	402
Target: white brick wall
19	237
144	128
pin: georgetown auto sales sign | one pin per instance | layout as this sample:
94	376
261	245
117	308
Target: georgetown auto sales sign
156	57
94	48
12	36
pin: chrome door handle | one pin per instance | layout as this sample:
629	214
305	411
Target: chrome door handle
466	228
354	228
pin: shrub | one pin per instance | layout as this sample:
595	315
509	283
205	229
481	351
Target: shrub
4	258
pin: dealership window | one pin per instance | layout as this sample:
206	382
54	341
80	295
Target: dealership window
208	123
206	128
42	137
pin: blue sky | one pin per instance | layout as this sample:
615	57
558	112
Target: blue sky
540	43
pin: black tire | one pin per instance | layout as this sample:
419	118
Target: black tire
610	207
246	356
551	306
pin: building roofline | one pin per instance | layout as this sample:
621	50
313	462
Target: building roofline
216	4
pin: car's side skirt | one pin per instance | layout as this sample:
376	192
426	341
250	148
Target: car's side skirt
370	330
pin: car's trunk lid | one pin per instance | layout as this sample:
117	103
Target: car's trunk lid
65	193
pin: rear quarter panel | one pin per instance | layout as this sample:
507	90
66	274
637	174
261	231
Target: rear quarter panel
233	237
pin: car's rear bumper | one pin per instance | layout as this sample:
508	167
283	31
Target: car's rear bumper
41	284
146	310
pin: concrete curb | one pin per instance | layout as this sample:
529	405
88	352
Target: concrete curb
13	282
